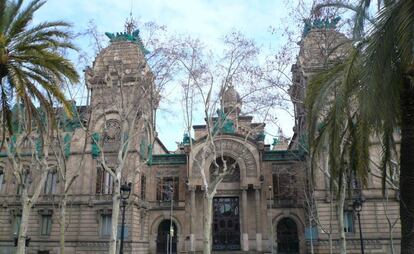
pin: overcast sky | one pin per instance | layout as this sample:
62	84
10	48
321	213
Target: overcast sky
209	20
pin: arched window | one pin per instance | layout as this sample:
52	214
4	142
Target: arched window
225	163
287	237
104	182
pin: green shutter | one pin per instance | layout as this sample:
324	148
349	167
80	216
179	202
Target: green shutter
95	148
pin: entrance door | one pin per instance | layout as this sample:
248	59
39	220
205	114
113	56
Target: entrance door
163	237
226	224
287	237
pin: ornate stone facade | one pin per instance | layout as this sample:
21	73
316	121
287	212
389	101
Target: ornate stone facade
267	205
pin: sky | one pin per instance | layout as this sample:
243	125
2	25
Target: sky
208	20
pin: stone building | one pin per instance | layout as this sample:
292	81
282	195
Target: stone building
264	203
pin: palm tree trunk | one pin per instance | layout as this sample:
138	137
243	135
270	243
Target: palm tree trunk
407	169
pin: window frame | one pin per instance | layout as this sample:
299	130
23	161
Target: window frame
280	185
161	188
104	182
105	229
51	183
17	220
349	222
1	179
46	218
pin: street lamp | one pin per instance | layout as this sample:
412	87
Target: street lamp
125	192
357	205
270	220
171	196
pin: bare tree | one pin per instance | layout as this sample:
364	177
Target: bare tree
206	82
28	161
68	130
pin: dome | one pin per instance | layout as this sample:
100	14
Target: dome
121	59
231	100
321	45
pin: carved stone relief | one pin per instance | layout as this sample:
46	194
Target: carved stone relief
230	148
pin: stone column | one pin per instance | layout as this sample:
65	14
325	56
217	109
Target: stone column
258	221
192	218
245	238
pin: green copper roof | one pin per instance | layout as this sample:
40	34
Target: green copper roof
319	23
125	36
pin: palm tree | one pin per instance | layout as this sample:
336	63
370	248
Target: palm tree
31	65
373	92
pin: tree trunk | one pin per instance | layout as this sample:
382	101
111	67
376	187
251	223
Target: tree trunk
62	220
27	204
21	245
391	241
331	214
407	169
330	244
116	201
341	202
207	224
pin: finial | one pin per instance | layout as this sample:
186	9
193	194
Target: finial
280	132
229	81
130	24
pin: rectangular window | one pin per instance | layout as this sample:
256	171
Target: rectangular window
104	182
16	224
106	224
51	183
165	186
46	225
284	186
1	179
143	186
348	221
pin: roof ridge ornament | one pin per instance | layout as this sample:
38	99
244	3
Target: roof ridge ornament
319	23
130	24
131	34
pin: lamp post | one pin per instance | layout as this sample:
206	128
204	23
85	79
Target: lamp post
357	205
171	196
125	192
270	220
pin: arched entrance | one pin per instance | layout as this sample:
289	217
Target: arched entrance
163	237
287	237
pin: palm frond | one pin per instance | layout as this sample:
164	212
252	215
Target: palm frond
22	19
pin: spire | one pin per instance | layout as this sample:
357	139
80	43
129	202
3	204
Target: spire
131	33
130	23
